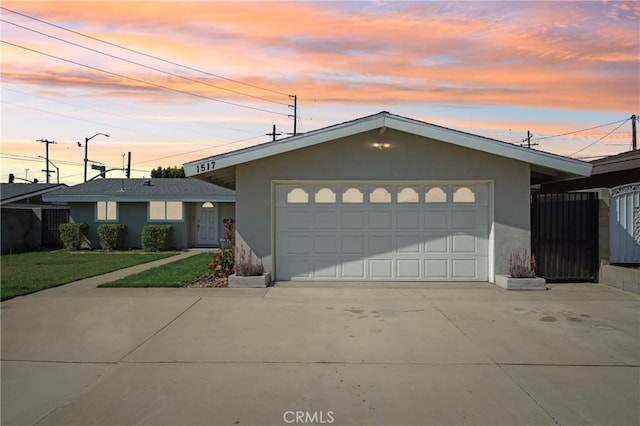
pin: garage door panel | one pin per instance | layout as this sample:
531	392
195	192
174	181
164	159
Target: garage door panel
291	269
380	219
325	219
408	219
325	244
408	244
379	244
436	219
352	219
327	269
352	244
464	244
293	244
436	269
469	218
436	244
298	218
353	269
408	269
381	269
465	269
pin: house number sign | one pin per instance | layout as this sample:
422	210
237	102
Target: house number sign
206	166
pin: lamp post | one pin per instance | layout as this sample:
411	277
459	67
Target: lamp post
47	171
86	150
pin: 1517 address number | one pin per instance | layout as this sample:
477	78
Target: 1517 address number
206	166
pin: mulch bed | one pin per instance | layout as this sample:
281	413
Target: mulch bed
208	282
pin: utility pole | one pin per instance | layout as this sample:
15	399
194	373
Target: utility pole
47	143
273	133
129	166
295	113
634	137
528	140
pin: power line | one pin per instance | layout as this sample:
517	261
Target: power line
580	131
142	65
200	150
593	143
120	106
144	54
142	81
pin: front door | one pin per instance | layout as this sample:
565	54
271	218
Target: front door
207	224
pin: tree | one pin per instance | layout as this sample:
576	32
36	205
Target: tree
168	172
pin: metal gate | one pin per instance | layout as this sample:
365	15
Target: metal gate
564	236
51	221
624	224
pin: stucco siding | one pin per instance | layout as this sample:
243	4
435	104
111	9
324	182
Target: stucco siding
135	217
409	157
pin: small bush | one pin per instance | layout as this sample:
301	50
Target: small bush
157	237
522	266
245	266
73	235
111	235
222	264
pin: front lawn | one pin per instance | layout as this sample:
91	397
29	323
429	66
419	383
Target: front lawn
30	272
174	274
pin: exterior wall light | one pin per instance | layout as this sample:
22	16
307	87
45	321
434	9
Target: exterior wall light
381	145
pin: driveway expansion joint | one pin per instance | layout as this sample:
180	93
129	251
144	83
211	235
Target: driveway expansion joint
160	330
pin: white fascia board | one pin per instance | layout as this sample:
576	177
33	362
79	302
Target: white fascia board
490	146
230	159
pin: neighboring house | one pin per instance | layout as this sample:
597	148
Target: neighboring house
616	180
196	210
27	222
384	198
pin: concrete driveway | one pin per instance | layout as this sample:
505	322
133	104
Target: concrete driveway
419	355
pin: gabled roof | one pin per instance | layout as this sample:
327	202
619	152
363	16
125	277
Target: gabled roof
16	192
141	190
544	166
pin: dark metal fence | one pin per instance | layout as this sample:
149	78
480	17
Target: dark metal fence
51	221
564	235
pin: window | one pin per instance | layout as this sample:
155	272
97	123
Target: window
297	196
106	210
325	195
408	195
435	195
464	195
352	196
380	195
165	210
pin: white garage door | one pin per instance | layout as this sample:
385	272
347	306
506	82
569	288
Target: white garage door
382	231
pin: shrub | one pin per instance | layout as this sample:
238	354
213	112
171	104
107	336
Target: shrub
230	233
222	264
245	266
157	237
522	266
111	235
73	235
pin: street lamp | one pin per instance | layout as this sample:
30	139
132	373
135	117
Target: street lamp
47	171
86	149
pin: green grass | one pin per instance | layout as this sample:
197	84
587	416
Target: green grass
174	274
30	272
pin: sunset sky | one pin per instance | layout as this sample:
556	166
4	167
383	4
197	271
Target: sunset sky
176	81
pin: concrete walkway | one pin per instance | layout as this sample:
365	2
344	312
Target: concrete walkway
432	354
